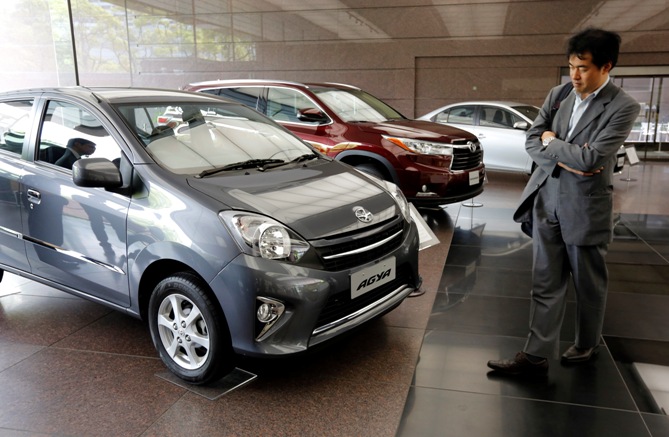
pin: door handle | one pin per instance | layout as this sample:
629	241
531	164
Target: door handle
34	196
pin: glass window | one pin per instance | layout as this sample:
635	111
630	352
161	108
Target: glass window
458	115
70	132
284	104
246	95
356	105
14	122
213	137
496	117
531	112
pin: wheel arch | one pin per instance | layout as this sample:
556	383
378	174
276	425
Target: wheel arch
156	272
354	157
159	260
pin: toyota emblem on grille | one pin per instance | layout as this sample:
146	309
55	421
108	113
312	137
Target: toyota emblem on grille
363	215
472	146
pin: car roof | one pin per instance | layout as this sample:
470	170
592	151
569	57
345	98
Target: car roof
488	102
116	94
270	82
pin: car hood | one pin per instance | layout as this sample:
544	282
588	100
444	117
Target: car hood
315	201
417	129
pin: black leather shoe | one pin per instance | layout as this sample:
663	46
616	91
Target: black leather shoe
577	355
520	365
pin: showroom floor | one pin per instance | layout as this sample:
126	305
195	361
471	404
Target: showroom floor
69	367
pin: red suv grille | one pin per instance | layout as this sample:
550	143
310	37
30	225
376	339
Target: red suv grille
464	158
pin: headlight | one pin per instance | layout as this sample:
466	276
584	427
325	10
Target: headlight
394	191
399	198
423	147
264	237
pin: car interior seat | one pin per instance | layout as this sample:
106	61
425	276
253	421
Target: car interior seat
498	118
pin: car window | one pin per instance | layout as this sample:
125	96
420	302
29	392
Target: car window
458	115
211	136
14	121
246	95
493	116
69	132
284	104
353	105
531	112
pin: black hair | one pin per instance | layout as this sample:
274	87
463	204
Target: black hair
603	45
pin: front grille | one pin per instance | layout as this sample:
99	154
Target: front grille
341	305
348	261
464	158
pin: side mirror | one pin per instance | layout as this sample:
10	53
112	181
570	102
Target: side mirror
522	125
312	115
96	172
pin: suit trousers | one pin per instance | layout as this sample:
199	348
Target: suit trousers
554	262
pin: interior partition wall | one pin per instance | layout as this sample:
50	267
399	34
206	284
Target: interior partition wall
414	54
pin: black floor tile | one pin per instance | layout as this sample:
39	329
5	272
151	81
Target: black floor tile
486	281
640	273
445	413
658	424
457	361
633	252
648	227
628	351
632	316
488	315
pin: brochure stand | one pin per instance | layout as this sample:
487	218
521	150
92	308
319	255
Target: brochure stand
632	159
472	204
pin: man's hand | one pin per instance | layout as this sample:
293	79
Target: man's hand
579	172
547	134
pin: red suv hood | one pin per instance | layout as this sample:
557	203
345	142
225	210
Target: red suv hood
416	129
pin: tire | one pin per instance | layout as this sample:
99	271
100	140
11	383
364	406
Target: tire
189	330
372	169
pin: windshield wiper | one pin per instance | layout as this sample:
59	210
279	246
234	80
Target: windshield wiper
239	166
306	157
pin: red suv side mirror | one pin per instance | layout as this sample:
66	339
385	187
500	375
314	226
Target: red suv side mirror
312	115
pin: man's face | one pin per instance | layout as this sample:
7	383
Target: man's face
586	76
85	148
89	149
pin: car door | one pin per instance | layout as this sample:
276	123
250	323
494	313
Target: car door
503	146
74	236
15	122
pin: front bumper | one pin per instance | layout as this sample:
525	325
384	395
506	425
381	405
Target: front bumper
425	187
318	304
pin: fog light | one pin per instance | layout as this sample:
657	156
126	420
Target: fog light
268	313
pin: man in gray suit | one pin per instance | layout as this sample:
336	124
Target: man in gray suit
569	202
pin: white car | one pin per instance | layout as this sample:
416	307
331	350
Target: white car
499	126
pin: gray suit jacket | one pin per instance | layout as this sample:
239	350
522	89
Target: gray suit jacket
586	202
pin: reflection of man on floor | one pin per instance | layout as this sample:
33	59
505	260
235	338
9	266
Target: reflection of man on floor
76	148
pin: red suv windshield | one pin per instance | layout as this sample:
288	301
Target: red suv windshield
356	105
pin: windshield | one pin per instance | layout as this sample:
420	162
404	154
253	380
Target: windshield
528	111
192	138
356	105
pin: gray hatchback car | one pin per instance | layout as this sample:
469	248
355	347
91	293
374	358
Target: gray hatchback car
230	235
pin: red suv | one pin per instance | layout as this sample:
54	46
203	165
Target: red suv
432	163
